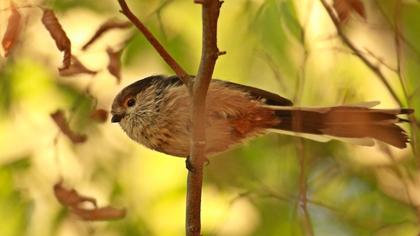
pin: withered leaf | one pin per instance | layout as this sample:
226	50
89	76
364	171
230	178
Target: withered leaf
99	115
62	123
12	32
73	200
63	43
69	197
99	214
105	27
75	68
114	65
345	7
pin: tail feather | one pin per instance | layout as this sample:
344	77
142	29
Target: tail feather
346	122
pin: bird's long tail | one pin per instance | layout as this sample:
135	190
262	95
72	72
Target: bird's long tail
349	122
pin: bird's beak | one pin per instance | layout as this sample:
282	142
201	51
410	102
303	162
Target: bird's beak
117	117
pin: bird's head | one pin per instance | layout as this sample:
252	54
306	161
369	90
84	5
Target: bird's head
131	99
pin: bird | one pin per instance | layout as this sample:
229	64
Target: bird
155	112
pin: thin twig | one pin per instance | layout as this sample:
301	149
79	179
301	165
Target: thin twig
300	83
301	79
380	60
369	53
158	13
398	40
303	200
375	69
403	39
209	55
398	47
182	74
268	59
401	175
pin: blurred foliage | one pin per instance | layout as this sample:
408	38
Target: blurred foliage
286	46
15	208
6	90
66	5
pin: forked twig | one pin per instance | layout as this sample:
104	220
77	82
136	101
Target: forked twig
182	74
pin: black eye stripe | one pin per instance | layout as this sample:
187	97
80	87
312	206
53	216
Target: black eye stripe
131	102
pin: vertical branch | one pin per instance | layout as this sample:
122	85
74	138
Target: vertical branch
397	40
300	84
303	201
209	55
391	24
198	91
300	148
400	71
405	179
398	48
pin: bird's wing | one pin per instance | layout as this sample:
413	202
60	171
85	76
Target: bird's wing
270	98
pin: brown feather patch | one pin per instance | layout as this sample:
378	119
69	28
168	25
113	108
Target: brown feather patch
347	122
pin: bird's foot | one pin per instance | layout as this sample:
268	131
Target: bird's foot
190	166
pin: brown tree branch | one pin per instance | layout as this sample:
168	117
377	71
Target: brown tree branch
375	69
209	55
182	74
198	88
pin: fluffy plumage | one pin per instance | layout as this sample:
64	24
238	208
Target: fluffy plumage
160	118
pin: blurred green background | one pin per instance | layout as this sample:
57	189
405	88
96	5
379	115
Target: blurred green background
285	46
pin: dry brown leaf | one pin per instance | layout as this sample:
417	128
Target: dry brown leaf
12	32
99	115
114	65
69	197
75	68
99	214
63	43
61	122
105	27
73	200
345	7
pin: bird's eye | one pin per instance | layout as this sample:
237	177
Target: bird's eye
131	102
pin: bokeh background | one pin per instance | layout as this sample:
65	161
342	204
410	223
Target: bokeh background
285	46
